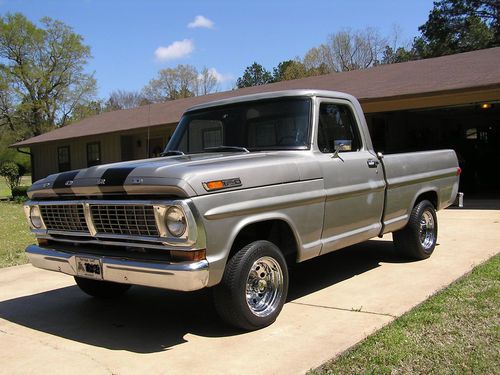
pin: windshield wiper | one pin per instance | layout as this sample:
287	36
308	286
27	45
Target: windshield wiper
226	149
172	152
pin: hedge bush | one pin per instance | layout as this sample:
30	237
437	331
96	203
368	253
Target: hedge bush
20	191
12	172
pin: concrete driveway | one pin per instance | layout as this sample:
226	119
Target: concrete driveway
47	326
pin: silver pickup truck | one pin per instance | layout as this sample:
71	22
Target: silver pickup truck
247	186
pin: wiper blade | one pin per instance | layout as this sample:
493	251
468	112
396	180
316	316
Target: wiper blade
172	152
226	149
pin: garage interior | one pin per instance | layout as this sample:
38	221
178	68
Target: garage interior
472	130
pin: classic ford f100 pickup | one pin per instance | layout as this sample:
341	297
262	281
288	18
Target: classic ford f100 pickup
246	187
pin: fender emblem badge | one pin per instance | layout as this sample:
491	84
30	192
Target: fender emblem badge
137	181
68	183
101	181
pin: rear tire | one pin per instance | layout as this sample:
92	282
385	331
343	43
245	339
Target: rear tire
101	289
418	239
254	287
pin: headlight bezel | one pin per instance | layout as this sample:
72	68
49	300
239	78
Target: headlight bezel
191	233
32	211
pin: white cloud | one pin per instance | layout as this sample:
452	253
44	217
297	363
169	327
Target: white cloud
201	21
220	77
176	50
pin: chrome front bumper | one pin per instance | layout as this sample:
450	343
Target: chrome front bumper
184	276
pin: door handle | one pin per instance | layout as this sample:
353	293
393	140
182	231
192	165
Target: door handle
372	163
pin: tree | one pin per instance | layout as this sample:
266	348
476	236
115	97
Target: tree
172	83
254	75
295	69
42	76
121	99
84	110
319	59
346	50
9	154
456	26
207	82
280	71
400	54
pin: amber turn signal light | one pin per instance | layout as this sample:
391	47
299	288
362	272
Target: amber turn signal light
42	241
187	256
214	185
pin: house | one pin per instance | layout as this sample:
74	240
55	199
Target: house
445	102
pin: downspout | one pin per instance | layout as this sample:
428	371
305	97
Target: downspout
149	124
18	149
32	162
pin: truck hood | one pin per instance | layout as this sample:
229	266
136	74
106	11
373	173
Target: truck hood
183	175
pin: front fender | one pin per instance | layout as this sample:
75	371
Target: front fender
224	215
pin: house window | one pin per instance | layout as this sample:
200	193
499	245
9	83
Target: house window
93	154
63	159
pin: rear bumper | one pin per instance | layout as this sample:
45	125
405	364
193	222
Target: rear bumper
184	276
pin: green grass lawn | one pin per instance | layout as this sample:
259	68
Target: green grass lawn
457	331
14	234
4	189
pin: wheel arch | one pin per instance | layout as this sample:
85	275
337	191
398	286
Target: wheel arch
430	195
277	230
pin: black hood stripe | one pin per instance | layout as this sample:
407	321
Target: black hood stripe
60	181
114	177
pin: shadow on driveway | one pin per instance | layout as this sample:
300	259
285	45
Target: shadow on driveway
148	320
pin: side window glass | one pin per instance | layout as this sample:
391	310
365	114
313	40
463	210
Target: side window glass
337	129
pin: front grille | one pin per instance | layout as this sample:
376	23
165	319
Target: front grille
130	220
64	217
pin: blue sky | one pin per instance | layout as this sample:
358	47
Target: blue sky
131	40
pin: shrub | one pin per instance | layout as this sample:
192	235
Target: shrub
20	191
12	174
20	199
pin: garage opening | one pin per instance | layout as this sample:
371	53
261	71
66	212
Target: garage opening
473	131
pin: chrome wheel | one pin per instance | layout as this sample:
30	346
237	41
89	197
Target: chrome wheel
264	287
427	232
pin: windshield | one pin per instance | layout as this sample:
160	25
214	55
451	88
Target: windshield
254	126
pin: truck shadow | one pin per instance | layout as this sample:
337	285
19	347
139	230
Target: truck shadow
148	320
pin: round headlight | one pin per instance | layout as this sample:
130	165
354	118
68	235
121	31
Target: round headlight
176	221
36	217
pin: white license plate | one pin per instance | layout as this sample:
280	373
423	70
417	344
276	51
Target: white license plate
89	267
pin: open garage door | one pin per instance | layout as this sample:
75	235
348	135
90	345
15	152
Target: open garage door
473	131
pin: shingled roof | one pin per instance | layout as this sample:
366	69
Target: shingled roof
447	74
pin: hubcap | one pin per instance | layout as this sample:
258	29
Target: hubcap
264	286
427	231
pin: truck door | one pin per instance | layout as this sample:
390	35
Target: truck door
353	178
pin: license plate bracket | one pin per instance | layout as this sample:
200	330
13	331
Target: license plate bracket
89	267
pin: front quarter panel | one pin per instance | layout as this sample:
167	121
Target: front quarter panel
224	215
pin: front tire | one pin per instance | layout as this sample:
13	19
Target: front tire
101	289
418	239
254	287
